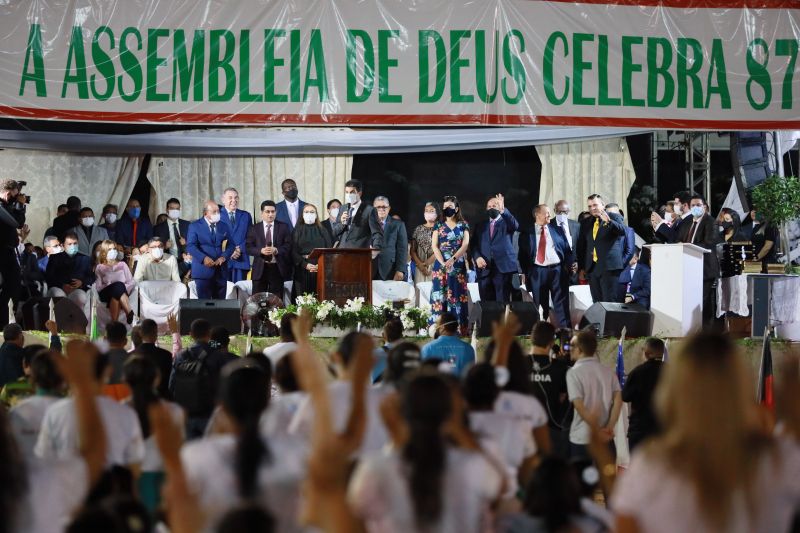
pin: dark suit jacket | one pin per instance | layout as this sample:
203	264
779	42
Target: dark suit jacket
64	223
282	213
62	269
125	230
238	236
200	245
671	234
162	232
327	225
608	244
281	239
528	246
706	236
498	247
640	284
86	244
363	230
574	231
394	253
163	360
628	245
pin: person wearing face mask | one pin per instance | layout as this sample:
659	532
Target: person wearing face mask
88	232
156	264
173	232
290	209
134	227
493	251
765	239
357	225
114	281
65	222
670	232
701	230
108	221
69	272
729	225
238	222
572	231
421	249
391	263
333	207
209	260
308	235
270	244
450	245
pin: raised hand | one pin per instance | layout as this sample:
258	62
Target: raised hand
503	334
501	203
172	322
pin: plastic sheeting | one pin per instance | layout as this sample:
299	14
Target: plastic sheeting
299	141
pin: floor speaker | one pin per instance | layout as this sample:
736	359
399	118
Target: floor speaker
217	312
35	312
484	313
69	317
610	317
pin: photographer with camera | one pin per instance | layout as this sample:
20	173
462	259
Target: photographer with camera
12	218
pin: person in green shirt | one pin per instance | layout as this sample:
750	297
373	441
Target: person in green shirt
15	391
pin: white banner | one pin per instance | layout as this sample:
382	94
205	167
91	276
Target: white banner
682	64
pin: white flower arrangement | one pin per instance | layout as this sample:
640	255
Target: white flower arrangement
354	305
324	310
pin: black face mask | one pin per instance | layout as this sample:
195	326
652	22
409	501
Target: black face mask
492	212
291	194
725	226
449	212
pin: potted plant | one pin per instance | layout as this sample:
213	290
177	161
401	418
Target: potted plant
778	198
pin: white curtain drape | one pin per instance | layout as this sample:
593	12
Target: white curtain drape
193	180
573	171
53	176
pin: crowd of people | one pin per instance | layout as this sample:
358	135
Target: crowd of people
125	436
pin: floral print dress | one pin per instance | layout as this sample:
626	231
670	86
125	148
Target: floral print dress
449	292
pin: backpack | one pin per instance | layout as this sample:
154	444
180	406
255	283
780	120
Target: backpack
194	389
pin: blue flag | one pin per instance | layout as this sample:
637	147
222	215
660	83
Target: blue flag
620	365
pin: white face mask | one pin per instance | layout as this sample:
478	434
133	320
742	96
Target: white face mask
430	217
214	218
677	209
174	214
334	212
667	217
352	198
561	218
309	218
111	255
157	253
57	250
111	218
88	222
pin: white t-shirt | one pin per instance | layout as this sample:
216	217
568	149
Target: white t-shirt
58	438
152	461
26	418
209	466
280	413
661	501
506	439
523	408
55	490
278	350
340	395
595	384
379	493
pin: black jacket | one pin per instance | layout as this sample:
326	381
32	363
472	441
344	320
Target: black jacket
163	360
638	390
706	236
608	244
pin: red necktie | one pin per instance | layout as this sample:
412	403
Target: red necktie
135	228
540	251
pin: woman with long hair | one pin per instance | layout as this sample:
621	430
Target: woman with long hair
307	235
421	250
114	281
730	225
450	242
427	484
243	467
713	468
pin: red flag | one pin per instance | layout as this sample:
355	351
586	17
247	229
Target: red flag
766	394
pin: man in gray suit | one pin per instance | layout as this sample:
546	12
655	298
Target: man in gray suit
572	230
391	262
357	225
88	232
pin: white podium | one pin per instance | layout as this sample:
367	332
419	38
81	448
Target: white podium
676	289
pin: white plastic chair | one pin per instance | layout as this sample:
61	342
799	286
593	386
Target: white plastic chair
157	299
230	291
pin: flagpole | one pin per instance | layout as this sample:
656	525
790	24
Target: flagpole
760	388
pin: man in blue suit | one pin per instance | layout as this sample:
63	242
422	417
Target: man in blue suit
238	223
133	228
634	282
290	209
629	239
209	261
547	260
493	251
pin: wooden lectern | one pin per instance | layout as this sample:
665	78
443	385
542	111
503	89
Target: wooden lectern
344	273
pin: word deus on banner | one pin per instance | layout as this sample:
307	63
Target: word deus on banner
519	63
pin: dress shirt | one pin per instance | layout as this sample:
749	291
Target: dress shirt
171	224
269	238
149	270
550	255
565	226
294	209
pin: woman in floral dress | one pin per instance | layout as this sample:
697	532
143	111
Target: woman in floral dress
450	242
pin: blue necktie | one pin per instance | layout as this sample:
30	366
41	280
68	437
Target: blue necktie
214	232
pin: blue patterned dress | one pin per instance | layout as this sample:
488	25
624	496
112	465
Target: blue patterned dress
449	292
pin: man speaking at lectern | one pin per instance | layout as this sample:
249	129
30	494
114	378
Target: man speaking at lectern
357	225
701	230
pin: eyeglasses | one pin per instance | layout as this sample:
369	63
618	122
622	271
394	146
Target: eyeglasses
381	207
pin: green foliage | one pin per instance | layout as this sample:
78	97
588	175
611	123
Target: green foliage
778	198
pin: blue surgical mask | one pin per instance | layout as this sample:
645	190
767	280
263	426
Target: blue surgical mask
134	212
72	249
698	211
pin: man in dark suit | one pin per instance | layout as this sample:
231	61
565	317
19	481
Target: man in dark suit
270	244
63	223
391	262
290	209
133	228
239	222
600	250
701	230
572	231
493	251
357	225
629	239
205	242
634	282
173	232
670	233
547	260
69	272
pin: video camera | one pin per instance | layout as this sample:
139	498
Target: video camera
21	185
